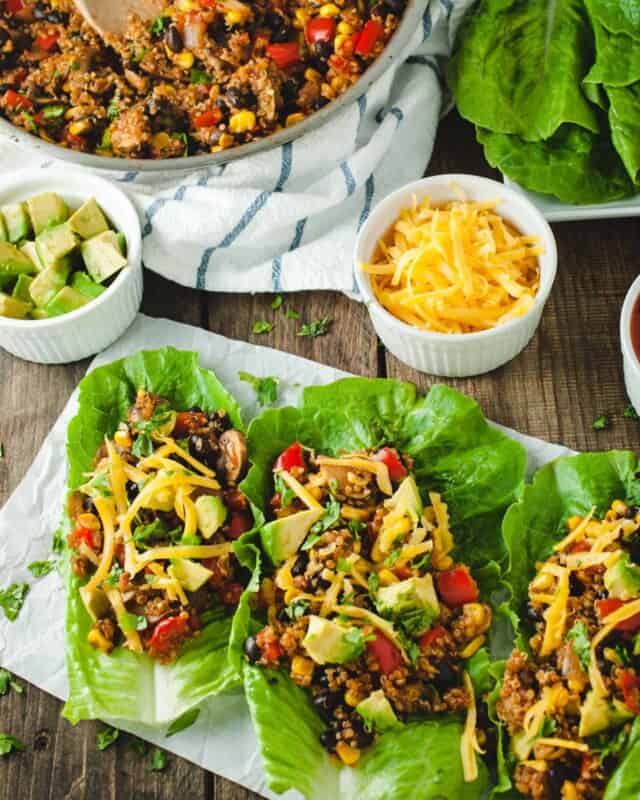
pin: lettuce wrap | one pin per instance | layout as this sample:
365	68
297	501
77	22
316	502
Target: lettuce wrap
479	471
565	488
124	685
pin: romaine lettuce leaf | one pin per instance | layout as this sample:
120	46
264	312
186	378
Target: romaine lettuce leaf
479	471
421	760
518	66
124	685
624	118
574	165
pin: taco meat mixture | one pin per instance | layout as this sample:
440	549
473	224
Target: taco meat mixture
204	76
569	704
367	610
153	527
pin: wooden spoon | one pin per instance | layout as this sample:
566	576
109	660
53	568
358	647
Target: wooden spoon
112	16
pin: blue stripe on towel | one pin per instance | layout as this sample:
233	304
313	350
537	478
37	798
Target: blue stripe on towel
276	264
128	177
369	191
348	178
258	203
448	6
426	25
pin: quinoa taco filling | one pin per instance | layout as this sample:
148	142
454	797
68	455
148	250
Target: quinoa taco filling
204	76
568	705
367	609
154	524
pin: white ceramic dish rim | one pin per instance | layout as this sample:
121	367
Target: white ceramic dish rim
49	179
630	300
462	181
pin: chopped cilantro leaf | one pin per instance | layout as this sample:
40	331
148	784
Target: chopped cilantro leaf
113	577
630	413
107	737
12	599
7	682
601	422
158	760
138	745
276	302
266	388
184	721
329	519
297	609
261	326
287	495
579	637
318	327
9	743
343	565
290	313
40	568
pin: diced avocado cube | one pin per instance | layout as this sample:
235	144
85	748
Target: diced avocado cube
46	286
21	289
412	602
406	498
622	579
10	307
597	714
13	262
31	252
38	313
16	221
102	256
328	642
55	243
66	300
88	220
377	712
46	211
281	538
191	574
211	512
83	283
3	230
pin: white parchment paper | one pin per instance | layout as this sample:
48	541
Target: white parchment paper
222	740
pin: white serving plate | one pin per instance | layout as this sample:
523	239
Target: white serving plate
556	211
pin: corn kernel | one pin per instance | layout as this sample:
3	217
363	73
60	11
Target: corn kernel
225	141
329	10
472	647
338	83
340	39
302	666
88	521
386	577
122	438
238	15
80	127
573	522
569	791
351	698
542	582
300	18
345	28
184	59
619	507
312	75
242	121
314	491
350	512
348	755
187	5
98	640
165	90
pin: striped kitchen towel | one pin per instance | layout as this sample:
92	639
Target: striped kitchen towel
286	219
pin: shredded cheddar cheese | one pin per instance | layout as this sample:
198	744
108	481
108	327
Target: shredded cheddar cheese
460	268
469	741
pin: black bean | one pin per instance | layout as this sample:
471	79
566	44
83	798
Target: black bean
173	39
323	49
132	490
326	703
446	677
328	740
281	34
4	36
57	17
300	564
632	512
634	549
558	773
534	613
251	649
576	586
40	11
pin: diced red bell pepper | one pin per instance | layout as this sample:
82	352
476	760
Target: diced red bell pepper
385	652
239	522
457	587
270	648
391	460
431	637
403	572
80	534
291	457
367	40
39	118
17	102
630	685
78	142
187	422
14	6
609	605
168	634
208	119
230	594
46	41
320	29
285	54
580	547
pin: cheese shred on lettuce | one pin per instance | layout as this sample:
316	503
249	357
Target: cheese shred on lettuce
458	268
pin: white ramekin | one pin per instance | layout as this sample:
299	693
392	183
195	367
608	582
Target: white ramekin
93	327
630	360
456	355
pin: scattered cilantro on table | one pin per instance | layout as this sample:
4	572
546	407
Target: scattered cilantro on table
266	388
7	682
40	568
12	599
318	327
9	743
158	760
290	313
183	722
601	422
276	302
630	413
262	326
107	737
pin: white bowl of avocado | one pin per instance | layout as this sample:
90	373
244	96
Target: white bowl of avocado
70	265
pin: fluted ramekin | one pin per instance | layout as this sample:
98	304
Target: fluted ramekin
456	355
97	324
630	360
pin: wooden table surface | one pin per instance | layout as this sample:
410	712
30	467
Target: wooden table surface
570	374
